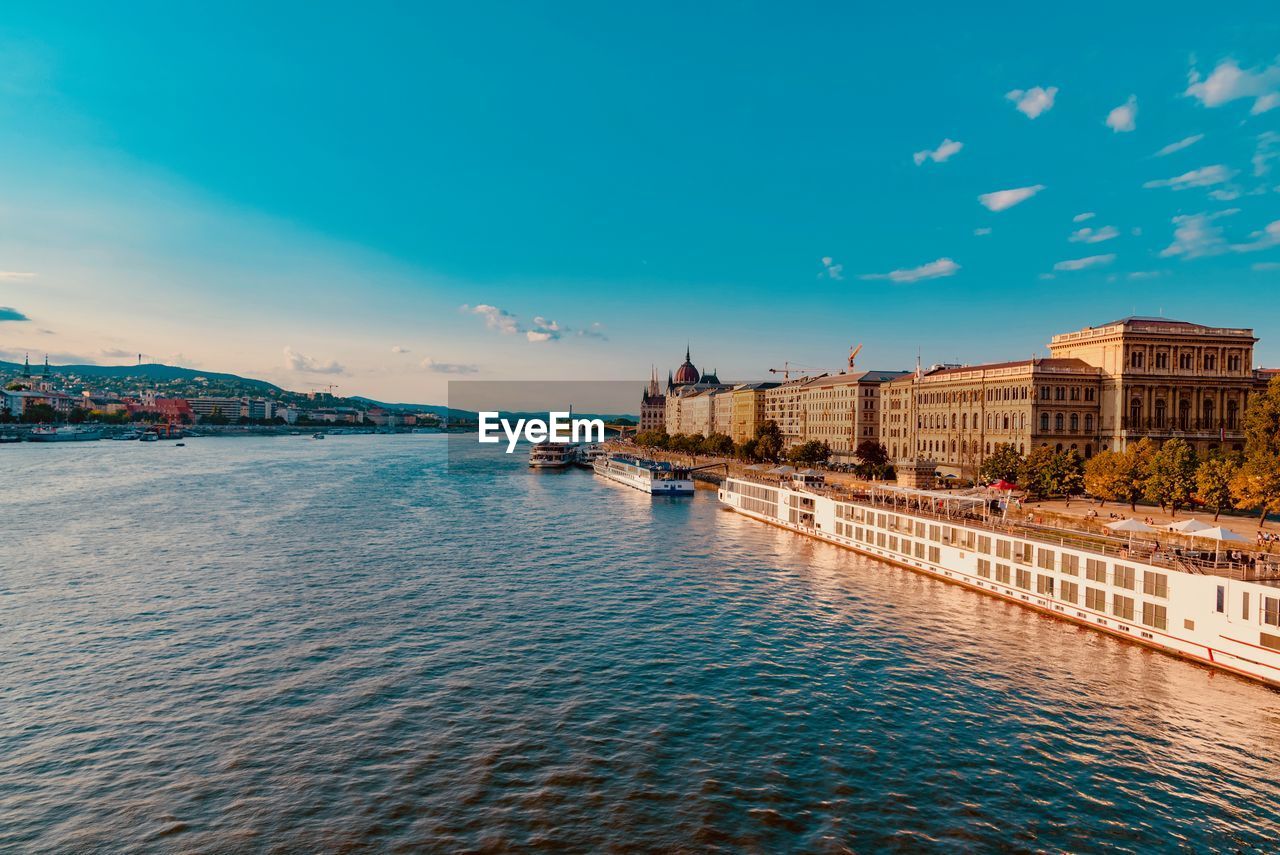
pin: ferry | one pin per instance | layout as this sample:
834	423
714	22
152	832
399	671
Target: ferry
551	455
65	434
1222	614
587	455
650	476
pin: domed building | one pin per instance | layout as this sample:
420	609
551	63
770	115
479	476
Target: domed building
686	408
686	374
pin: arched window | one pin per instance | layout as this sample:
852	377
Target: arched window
1088	423
1135	413
1075	422
1088	450
1232	413
1208	414
1044	422
1184	414
1160	413
1057	423
1006	421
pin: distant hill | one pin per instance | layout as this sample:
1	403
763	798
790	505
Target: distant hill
154	371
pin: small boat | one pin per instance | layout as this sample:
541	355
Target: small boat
179	444
317	436
9	437
65	434
149	436
588	454
551	455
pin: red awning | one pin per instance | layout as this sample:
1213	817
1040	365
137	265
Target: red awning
1003	485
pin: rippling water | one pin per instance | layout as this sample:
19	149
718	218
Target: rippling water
285	645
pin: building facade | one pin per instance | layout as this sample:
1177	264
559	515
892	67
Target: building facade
653	406
747	410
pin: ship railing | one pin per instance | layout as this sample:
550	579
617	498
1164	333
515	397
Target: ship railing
1251	567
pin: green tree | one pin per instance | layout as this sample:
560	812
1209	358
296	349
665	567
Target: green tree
40	414
1003	463
809	452
1105	477
718	444
871	453
1170	475
1213	482
746	452
1035	475
769	441
1137	461
1257	485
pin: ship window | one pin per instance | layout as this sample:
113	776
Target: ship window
1244	605
1155	615
1122	607
1044	585
1124	577
1221	606
1002	573
1095	570
1024	579
1070	592
935	555
1155	584
1044	559
984	544
1271	610
1095	599
1071	564
984	568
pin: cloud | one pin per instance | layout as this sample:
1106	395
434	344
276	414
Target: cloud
1185	142
540	330
1225	194
1034	101
981	232
1195	235
395	348
1082	263
1205	176
1088	235
1229	82
1266	238
449	367
1001	199
1268	150
1080	218
941	154
118	353
1267	265
932	270
295	361
830	269
8	313
1121	119
15	275
1144	274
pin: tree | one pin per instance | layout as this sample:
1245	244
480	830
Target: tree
809	452
39	414
1170	475
1067	473
718	444
747	452
871	453
1257	484
1137	460
1213	482
1005	463
1105	477
1035	475
769	441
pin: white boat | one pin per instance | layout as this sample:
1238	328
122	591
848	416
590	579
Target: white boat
587	455
149	436
551	455
65	434
1225	616
650	476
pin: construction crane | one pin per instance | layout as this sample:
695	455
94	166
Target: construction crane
329	388
853	354
788	369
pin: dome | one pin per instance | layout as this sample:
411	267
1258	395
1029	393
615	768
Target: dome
686	373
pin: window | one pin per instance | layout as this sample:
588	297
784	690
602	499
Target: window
1060	393
1210	361
1024	579
1071	564
1088	394
984	544
1124	577
984	568
1122	607
1088	422
935	555
1002	573
1136	359
1155	615
1162	359
1022	552
1075	422
1095	599
1271	610
1044	559
1057	422
1155	584
1044	585
1244	605
1070	592
1221	606
1095	570
1044	422
1004	549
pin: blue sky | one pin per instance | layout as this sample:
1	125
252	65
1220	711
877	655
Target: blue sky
392	196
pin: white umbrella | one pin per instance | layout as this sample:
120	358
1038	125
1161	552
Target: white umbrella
1221	535
1131	526
782	470
1188	526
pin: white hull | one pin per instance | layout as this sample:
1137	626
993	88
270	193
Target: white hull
1243	637
642	479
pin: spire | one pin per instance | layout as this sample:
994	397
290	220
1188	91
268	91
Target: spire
26	365
686	353
46	365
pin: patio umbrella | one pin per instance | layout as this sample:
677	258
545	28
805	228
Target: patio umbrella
1188	526
782	470
1220	535
1130	527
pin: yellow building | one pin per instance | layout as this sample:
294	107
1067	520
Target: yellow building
748	410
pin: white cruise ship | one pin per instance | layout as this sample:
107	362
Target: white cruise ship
1222	614
588	454
649	476
551	455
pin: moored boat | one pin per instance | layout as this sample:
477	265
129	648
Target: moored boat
588	454
66	433
655	477
551	455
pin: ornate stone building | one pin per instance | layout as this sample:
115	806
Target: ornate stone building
652	405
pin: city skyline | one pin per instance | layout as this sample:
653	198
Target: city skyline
571	206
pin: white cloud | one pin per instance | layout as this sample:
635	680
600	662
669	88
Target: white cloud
1082	263
830	269
1034	101
1229	82
1121	119
1088	235
1080	218
1268	149
1195	235
499	320
1225	194
295	361
1001	199
1185	142
540	330
15	275
932	270
1205	176
449	367
1267	265
941	154
1144	274
1264	239
398	349
981	232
